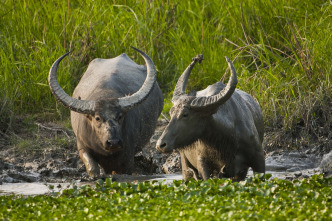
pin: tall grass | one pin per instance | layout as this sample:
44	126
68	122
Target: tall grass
281	51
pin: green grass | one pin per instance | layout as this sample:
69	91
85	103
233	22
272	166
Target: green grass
215	199
281	50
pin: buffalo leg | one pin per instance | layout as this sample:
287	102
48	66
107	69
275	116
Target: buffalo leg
227	171
241	175
193	173
203	169
188	171
258	164
224	172
236	170
90	164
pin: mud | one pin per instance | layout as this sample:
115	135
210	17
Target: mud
47	156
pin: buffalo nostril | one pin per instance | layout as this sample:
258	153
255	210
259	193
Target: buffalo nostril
162	145
113	143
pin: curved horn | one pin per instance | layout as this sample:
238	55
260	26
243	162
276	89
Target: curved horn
130	102
181	85
220	98
81	106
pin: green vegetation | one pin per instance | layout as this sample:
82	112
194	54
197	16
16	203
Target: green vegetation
281	50
282	53
215	199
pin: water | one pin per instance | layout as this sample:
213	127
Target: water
30	189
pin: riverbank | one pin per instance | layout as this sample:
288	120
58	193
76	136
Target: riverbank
46	153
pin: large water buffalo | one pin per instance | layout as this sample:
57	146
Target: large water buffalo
114	111
216	130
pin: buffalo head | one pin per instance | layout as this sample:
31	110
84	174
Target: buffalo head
192	114
105	114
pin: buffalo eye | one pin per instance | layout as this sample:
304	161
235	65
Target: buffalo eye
185	115
97	118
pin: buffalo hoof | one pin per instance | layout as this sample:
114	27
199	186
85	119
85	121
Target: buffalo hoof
191	173
94	174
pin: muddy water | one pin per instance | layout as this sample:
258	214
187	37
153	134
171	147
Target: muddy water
285	165
30	189
53	167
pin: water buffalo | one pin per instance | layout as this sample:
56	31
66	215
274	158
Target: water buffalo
216	130
114	111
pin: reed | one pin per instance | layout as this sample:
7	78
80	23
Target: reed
281	51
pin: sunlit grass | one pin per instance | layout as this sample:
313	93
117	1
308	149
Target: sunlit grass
281	50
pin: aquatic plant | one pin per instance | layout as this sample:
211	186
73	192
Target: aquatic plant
214	199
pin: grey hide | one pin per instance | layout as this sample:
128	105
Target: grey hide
115	108
218	131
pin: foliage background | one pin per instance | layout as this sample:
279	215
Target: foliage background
281	50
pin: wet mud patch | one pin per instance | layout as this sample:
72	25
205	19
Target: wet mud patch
47	154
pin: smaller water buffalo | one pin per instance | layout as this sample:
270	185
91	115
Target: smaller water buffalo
216	130
114	111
